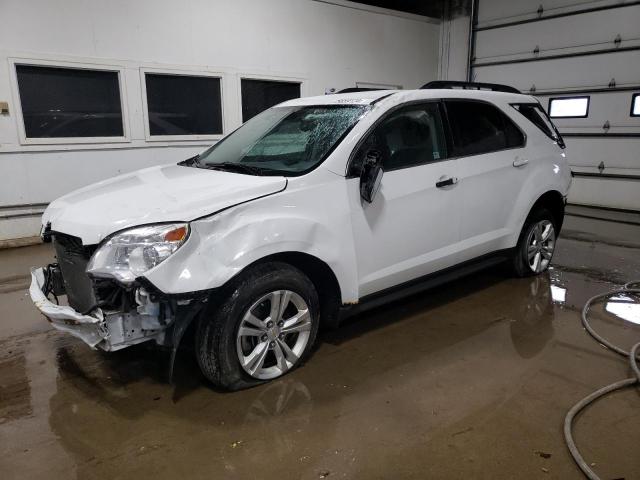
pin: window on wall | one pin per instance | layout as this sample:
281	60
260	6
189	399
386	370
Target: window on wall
479	127
569	107
259	95
179	105
635	105
60	102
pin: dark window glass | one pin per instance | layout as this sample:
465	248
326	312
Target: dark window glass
183	104
534	113
69	102
479	127
258	95
409	136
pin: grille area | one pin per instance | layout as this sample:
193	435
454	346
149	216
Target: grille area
73	258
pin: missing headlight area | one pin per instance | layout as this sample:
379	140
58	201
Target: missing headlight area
103	312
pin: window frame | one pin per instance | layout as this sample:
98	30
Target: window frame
551	99
186	73
267	78
384	117
633	100
33	62
477	100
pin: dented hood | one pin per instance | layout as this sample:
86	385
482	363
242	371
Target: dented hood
157	194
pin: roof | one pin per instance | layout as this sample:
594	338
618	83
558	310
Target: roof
366	98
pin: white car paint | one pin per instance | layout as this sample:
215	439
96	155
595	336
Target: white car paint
410	229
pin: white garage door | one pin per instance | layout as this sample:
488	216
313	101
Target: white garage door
565	49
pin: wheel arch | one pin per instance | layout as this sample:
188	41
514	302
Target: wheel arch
321	275
553	201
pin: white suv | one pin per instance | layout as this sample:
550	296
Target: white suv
313	210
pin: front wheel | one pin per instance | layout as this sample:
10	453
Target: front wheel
536	244
264	327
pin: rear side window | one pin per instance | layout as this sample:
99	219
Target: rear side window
479	127
407	137
536	115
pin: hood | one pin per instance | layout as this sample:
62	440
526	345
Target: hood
157	194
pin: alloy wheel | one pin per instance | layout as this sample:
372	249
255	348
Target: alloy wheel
541	243
273	334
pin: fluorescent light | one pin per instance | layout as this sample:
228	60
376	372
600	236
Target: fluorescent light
558	294
569	107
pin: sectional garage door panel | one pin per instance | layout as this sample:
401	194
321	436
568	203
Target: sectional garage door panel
495	12
619	157
575	52
553	37
566	73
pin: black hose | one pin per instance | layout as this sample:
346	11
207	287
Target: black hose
631	355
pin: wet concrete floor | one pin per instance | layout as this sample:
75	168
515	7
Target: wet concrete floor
470	380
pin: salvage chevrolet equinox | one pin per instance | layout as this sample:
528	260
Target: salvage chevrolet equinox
311	211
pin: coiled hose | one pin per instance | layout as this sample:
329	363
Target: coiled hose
631	355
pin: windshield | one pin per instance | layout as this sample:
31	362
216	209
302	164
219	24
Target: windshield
282	140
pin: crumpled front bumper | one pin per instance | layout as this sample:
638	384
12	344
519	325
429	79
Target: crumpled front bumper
89	328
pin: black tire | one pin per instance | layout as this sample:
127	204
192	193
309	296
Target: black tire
520	263
218	325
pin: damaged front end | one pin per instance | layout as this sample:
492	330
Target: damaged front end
104	312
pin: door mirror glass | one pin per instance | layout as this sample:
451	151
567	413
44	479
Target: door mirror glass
371	175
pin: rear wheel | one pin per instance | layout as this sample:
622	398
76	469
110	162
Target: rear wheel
264	327
536	244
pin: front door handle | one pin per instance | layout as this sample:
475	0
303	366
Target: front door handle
446	181
520	162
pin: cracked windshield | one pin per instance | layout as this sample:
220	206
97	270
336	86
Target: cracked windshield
286	141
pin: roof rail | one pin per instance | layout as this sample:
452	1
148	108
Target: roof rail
358	89
451	84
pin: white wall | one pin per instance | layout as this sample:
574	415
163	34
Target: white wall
322	44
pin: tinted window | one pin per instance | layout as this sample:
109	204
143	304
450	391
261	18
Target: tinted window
258	95
183	104
409	136
69	102
479	127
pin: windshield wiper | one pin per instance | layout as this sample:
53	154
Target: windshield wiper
189	162
237	167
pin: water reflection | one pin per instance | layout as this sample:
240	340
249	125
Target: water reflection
532	327
626	307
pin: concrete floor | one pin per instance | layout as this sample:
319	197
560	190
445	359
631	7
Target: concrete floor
470	380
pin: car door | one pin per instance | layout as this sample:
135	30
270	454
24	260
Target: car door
492	167
411	227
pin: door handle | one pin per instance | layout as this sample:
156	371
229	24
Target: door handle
520	162
446	181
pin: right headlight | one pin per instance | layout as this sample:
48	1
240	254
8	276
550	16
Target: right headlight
129	254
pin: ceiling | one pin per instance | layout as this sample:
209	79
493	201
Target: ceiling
428	8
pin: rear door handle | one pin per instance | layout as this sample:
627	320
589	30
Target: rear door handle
520	162
446	181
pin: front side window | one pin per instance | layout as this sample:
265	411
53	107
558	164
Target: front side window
258	95
183	104
479	127
407	137
62	102
283	140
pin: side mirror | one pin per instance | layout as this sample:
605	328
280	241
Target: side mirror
371	175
